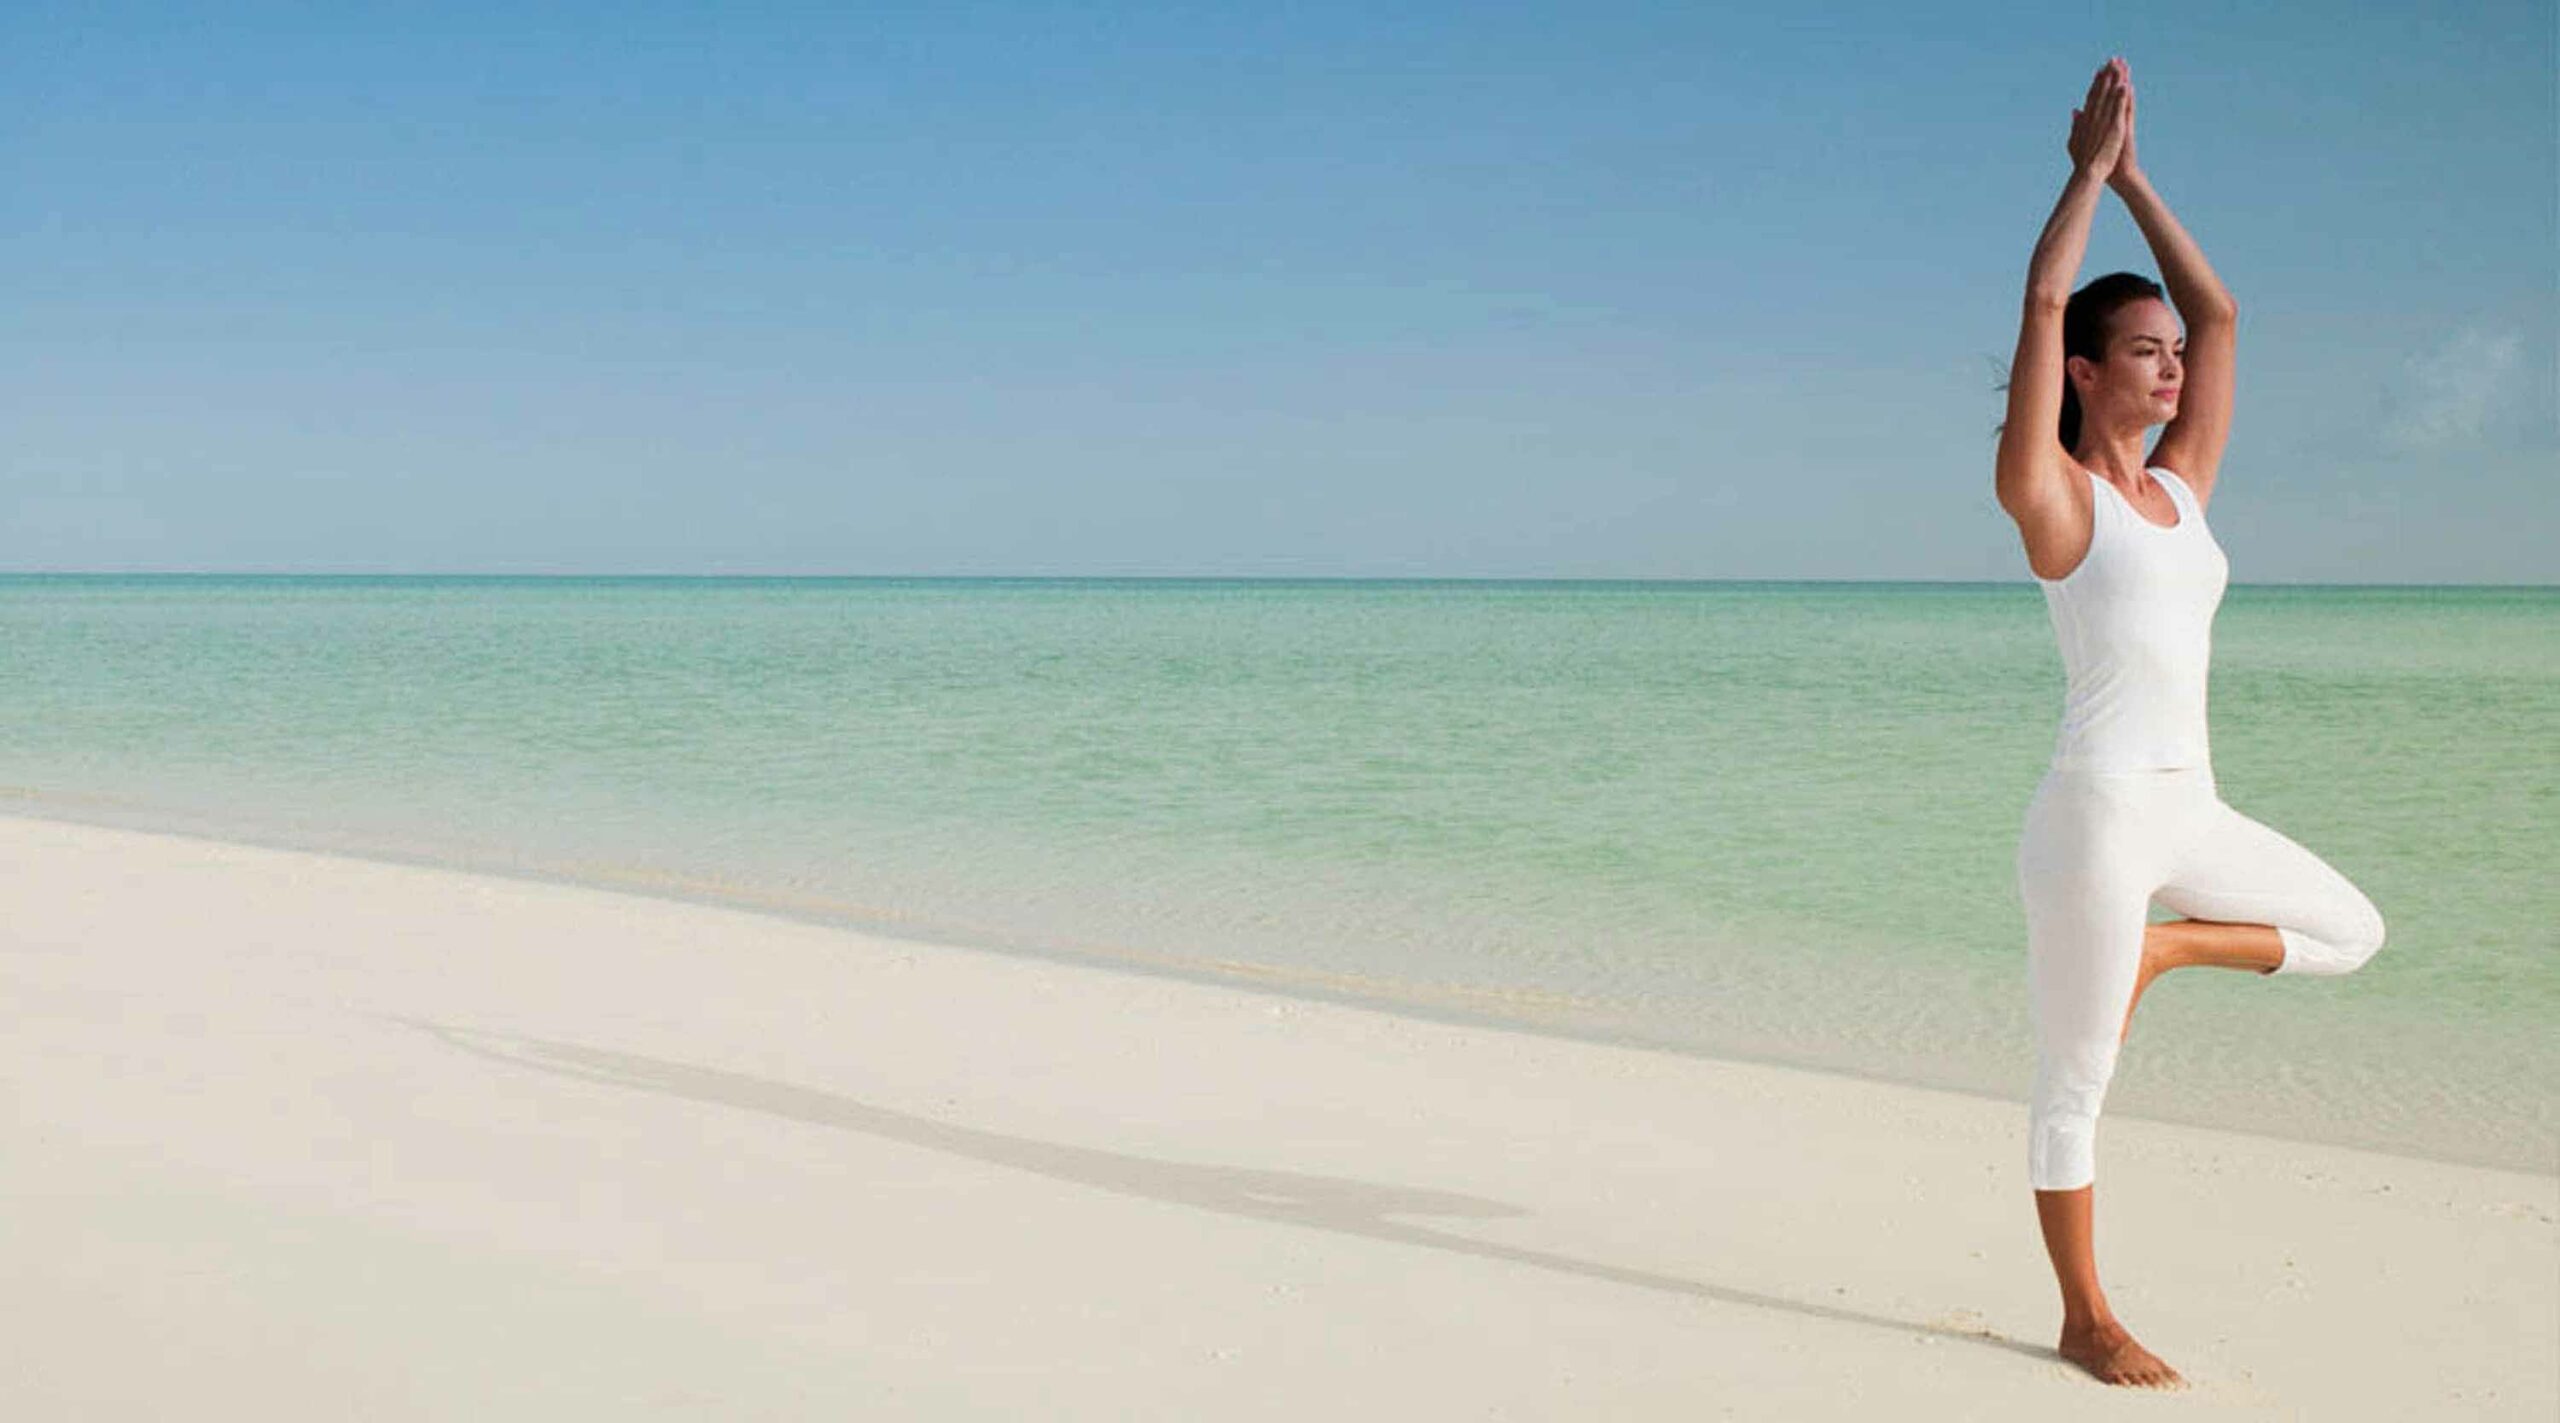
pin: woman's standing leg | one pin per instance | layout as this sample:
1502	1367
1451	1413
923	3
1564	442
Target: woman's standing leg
2083	862
2254	899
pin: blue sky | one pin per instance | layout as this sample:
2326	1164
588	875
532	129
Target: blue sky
1355	290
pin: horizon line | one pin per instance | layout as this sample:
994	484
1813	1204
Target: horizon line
1416	579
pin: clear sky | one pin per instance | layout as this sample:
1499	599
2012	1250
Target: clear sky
1262	289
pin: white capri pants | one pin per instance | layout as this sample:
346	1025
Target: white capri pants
2098	847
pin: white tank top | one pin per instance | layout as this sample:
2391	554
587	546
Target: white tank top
2135	623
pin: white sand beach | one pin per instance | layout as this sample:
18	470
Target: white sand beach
291	1136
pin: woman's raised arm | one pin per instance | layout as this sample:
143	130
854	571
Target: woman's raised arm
2192	444
2032	465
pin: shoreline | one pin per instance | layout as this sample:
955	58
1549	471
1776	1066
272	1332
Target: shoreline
343	1135
1437	1003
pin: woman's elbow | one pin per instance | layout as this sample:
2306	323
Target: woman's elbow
2217	308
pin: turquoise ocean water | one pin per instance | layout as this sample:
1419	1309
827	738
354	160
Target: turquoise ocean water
1764	820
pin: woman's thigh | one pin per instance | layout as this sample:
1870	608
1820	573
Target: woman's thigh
2089	858
2242	872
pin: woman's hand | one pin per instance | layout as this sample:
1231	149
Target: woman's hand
2101	129
2127	170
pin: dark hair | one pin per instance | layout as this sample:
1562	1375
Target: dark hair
2084	332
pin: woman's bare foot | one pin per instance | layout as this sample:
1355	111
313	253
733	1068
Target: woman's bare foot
2109	1353
2197	943
2153	965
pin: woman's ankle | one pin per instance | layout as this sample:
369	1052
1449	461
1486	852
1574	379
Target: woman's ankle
2089	1321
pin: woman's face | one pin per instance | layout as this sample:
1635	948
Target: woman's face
2143	372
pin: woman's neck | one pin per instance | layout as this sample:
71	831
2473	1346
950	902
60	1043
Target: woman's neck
2116	457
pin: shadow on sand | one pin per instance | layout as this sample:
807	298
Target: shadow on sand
1318	1202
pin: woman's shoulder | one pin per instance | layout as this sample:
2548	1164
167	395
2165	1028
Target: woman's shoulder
2197	491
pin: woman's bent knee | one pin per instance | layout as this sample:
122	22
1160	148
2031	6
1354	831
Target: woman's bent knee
2343	949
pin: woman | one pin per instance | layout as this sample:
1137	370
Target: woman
2129	813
